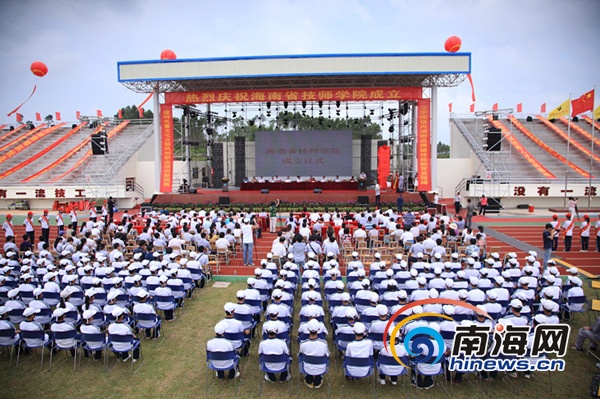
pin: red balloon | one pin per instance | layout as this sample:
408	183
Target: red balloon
168	55
39	68
452	44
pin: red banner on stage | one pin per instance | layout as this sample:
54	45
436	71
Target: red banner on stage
383	165
166	173
424	145
326	94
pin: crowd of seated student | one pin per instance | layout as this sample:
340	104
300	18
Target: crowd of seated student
511	289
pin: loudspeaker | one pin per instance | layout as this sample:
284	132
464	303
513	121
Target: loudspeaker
264	191
494	139
317	190
99	144
223	200
363	199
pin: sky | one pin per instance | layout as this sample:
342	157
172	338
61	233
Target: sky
525	51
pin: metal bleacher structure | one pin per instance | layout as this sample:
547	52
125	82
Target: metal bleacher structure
61	156
534	152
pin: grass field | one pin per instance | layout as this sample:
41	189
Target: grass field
176	368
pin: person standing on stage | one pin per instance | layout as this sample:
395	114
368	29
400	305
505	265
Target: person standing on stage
29	230
45	223
273	216
377	196
457	205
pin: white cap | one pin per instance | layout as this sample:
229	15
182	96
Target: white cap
540	318
437	271
345	297
229	307
516	303
374	297
448	309
449	282
29	311
59	312
251	281
550	278
351	313
576	281
313	326
258	272
572	270
220	327
461	274
313	296
389	272
87	314
360	272
492	294
277	293
414	272
330	254
355	254
463	294
311	282
273	309
417	309
420	255
113	294
530	259
533	253
433	293
359	328
524	281
241	294
470	260
382	310
365	283
142	293
474	280
377	255
271	327
339	285
37	291
421	280
437	255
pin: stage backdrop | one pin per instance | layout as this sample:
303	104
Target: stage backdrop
303	153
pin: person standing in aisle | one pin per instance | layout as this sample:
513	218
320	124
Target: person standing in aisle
457	205
470	213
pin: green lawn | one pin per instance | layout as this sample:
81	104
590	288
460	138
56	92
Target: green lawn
176	368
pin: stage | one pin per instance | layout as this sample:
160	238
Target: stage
235	196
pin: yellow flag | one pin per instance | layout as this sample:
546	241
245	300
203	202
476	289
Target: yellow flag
562	110
597	113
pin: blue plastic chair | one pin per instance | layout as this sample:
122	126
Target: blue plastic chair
125	339
62	335
312	360
211	357
146	321
10	335
282	358
358	362
33	340
96	342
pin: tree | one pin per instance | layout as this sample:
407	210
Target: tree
132	112
443	150
49	118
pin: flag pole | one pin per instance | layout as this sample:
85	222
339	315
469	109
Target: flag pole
592	153
568	148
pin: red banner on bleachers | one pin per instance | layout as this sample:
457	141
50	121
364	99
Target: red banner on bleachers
166	124
325	94
424	145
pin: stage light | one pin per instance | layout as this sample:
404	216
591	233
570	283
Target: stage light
371	112
233	114
338	103
285	104
303	104
391	129
337	112
320	104
210	131
268	113
268	104
320	112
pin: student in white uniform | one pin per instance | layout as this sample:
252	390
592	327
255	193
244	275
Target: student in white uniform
119	327
5	324
361	347
220	344
88	327
314	347
274	346
142	306
63	326
392	370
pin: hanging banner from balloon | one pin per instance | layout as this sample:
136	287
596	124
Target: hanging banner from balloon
23	103
472	87
146	100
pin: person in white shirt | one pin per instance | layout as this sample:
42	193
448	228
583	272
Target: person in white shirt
220	344
119	327
274	346
314	347
7	226
361	347
143	307
63	326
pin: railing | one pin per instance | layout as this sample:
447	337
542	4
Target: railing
126	156
477	148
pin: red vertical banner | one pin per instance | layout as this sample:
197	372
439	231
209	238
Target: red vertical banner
57	116
120	114
167	155
543	108
383	165
99	113
519	108
38	117
424	145
77	115
141	111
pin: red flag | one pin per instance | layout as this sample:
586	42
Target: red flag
450	107
472	108
19	117
583	103
519	108
120	114
77	115
543	108
495	107
99	113
57	116
38	117
141	110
